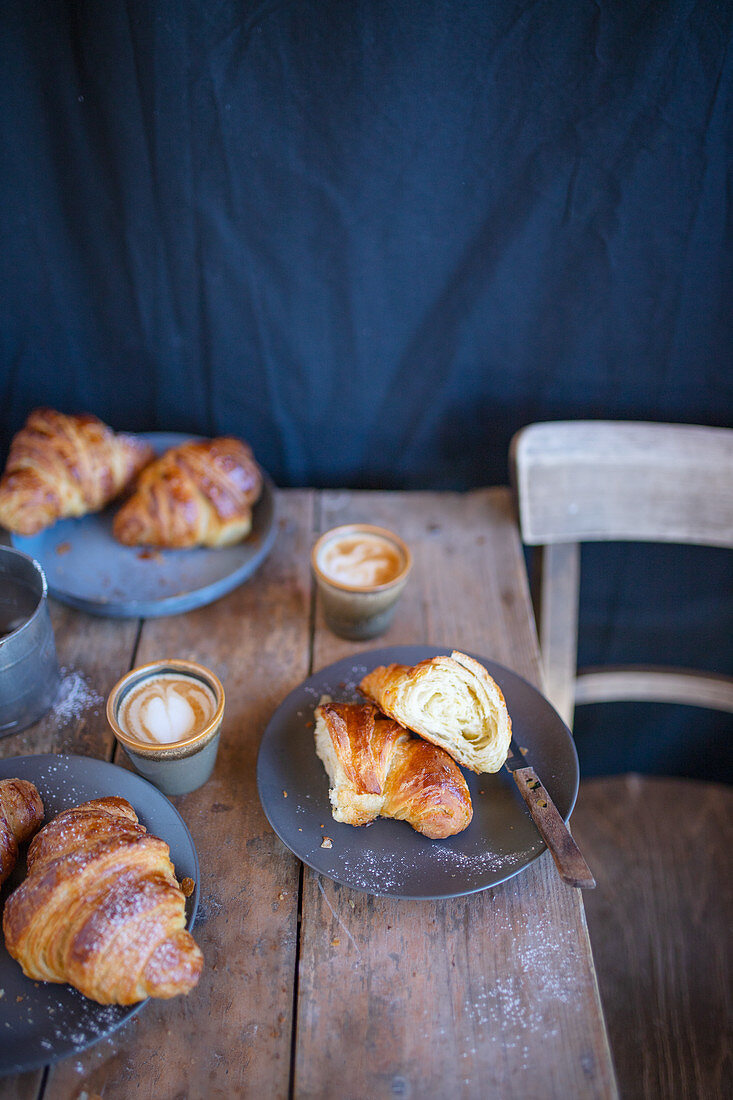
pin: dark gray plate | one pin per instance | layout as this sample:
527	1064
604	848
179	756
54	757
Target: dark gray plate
41	1022
389	857
87	568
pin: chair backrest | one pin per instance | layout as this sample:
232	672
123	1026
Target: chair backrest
579	481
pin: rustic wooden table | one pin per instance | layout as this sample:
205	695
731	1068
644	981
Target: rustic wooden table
311	989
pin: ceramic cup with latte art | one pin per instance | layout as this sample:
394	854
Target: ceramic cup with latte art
361	571
167	716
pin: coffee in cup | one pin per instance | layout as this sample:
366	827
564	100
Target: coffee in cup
361	571
167	709
360	559
167	715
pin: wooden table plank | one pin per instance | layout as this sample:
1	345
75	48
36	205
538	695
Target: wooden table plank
492	995
232	1035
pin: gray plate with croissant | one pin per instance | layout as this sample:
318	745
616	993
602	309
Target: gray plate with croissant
350	789
127	904
89	568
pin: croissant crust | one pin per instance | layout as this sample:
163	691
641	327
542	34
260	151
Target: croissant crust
21	813
376	768
101	909
452	702
62	466
198	494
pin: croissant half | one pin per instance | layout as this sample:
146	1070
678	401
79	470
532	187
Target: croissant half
452	702
21	813
61	466
198	494
101	909
376	768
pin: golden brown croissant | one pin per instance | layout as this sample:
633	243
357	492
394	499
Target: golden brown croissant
61	466
198	494
21	813
451	701
101	909
376	768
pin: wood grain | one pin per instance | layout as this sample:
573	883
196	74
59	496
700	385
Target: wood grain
660	927
557	622
232	1035
578	481
597	479
492	995
654	684
452	997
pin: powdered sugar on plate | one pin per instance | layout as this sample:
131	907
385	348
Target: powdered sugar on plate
377	870
75	696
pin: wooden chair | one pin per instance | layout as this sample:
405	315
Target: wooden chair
659	920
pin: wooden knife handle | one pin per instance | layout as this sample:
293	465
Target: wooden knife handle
553	830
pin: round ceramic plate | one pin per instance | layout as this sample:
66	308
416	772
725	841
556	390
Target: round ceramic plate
389	857
87	568
41	1022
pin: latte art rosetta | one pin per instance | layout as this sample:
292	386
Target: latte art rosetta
166	709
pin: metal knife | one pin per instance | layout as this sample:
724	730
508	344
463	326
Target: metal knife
567	855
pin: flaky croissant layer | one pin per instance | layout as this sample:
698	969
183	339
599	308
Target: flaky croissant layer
452	702
101	909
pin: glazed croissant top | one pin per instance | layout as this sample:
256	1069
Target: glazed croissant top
376	768
101	909
198	494
61	466
451	701
21	813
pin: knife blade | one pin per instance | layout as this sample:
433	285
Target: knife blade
569	860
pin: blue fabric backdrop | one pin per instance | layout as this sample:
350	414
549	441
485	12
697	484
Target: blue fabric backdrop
375	239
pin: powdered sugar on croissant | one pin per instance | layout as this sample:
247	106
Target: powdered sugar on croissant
101	909
452	702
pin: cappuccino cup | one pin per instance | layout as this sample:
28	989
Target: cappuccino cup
360	571
167	716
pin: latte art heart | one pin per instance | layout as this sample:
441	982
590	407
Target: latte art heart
167	709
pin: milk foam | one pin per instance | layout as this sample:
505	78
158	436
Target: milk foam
166	709
361	560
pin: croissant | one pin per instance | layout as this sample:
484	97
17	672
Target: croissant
198	494
450	701
101	909
61	466
21	813
376	768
